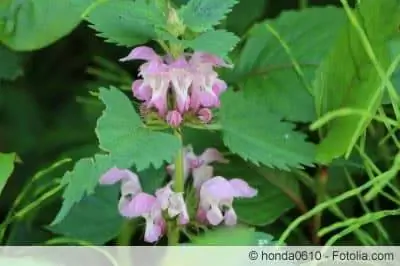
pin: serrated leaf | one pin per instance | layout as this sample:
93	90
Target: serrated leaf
254	133
356	83
127	23
201	15
264	67
121	132
98	212
10	65
6	168
244	14
273	186
83	180
36	24
217	42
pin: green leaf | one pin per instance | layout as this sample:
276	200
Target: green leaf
276	191
356	83
202	15
217	42
83	180
10	65
255	134
264	68
36	24
127	23
94	219
6	168
244	15
121	132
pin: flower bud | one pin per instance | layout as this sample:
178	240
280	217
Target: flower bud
174	118
205	115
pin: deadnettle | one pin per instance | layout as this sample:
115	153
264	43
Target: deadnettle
174	203
135	203
198	166
216	199
191	79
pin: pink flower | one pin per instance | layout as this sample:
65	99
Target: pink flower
134	203
130	181
199	166
174	203
205	115
146	206
153	88
216	199
206	87
174	118
141	53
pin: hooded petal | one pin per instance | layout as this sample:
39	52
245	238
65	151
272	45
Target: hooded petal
139	205
141	53
130	181
217	189
242	188
211	155
209	59
201	175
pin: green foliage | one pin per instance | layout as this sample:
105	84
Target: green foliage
121	133
95	219
31	25
83	180
202	15
218	42
244	14
10	67
274	188
6	168
127	23
264	67
356	83
253	132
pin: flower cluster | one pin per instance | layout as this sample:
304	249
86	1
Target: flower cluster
215	195
178	86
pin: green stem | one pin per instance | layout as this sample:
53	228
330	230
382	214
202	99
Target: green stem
179	186
179	178
303	4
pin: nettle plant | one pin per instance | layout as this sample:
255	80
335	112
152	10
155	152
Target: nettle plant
218	135
186	83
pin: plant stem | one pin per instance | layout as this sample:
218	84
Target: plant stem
179	185
303	4
178	179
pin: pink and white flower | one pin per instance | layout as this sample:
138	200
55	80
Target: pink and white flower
216	199
194	83
134	203
174	203
198	166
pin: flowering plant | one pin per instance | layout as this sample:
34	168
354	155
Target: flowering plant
208	116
